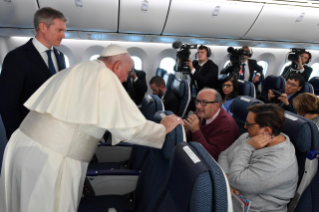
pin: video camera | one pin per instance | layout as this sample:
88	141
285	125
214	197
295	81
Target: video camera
293	56
236	57
183	54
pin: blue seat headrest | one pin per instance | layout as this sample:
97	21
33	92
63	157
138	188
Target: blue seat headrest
303	133
274	82
168	78
172	138
307	88
240	105
315	84
246	88
150	105
178	87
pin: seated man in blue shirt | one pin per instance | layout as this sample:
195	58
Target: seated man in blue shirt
294	84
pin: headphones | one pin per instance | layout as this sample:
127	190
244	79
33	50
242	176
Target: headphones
209	52
309	59
250	51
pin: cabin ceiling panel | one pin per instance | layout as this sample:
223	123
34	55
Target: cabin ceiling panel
17	13
218	19
138	16
286	23
87	15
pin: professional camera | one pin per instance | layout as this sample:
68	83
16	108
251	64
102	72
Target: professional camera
183	54
293	56
236	57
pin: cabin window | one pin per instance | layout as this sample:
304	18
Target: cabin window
137	63
315	70
263	64
168	64
227	63
94	57
67	62
286	64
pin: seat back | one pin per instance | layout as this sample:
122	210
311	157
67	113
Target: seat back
182	90
303	133
3	142
307	88
315	84
196	182
272	82
240	112
168	78
160	72
156	168
246	88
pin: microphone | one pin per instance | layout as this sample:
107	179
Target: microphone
177	45
190	113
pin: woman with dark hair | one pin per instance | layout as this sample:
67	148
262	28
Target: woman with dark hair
307	105
261	164
229	91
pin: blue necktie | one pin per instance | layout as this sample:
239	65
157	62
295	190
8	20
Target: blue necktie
51	65
243	77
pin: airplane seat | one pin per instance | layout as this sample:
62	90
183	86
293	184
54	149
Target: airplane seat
307	88
151	181
182	90
272	82
3	141
315	84
196	182
240	112
160	72
150	105
246	88
168	78
304	135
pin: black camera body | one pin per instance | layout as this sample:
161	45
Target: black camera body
236	57
277	93
183	54
293	56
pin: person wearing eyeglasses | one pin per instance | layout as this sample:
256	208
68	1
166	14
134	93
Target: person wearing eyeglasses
261	164
228	91
294	84
211	126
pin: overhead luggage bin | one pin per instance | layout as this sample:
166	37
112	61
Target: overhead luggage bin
87	15
209	18
146	17
17	13
97	36
286	23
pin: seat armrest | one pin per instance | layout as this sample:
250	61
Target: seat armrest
112	172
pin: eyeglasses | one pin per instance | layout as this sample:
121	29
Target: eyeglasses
227	85
249	124
291	84
203	102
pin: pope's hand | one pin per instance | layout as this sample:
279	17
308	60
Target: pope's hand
170	122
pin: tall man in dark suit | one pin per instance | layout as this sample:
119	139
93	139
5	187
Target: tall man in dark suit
170	100
204	72
136	85
302	68
27	67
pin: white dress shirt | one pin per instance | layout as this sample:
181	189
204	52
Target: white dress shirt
41	49
208	121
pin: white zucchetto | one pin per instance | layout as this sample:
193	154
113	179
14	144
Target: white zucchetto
113	50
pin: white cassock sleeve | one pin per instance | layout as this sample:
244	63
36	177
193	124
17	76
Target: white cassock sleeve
90	93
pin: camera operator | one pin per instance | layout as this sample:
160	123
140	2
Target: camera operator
299	67
204	72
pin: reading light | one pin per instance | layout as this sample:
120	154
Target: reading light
79	3
144	6
216	11
300	17
7	1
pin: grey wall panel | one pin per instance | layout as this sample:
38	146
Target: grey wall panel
134	20
279	23
18	13
197	18
94	15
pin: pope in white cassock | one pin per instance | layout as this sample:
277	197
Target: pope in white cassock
46	159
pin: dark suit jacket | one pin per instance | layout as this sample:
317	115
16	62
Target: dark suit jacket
206	76
23	72
252	65
290	106
138	89
171	101
306	74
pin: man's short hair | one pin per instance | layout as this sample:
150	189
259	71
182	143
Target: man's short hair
218	98
269	115
299	78
201	47
158	81
46	15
